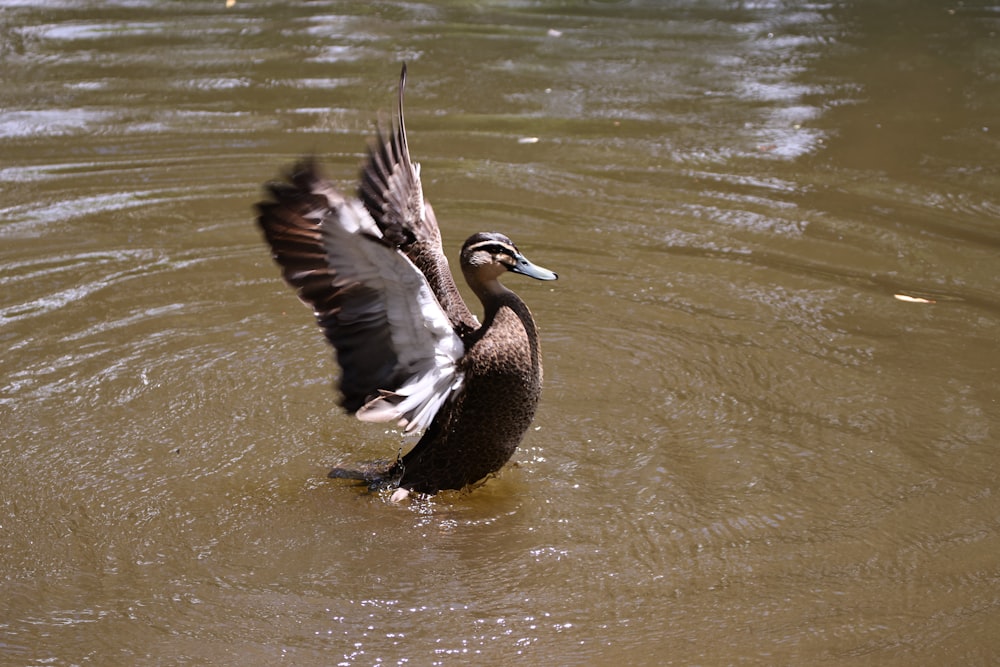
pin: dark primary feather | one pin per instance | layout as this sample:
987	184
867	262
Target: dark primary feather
348	311
391	190
390	183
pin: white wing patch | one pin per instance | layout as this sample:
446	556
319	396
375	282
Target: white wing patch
426	346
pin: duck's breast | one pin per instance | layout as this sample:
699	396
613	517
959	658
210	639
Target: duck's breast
503	384
478	432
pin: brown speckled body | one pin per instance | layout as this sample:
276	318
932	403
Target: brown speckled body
475	434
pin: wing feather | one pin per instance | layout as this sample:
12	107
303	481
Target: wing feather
390	189
390	185
394	343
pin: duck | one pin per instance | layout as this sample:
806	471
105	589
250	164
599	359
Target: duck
411	352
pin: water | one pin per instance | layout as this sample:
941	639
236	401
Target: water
750	449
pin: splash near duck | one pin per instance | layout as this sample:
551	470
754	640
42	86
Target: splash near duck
411	352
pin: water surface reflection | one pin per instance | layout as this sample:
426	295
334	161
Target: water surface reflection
748	449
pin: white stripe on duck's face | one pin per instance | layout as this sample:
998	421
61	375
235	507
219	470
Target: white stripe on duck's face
490	251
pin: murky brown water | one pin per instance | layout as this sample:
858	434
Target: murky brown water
748	452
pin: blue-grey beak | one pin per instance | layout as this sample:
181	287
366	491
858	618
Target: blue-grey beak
526	268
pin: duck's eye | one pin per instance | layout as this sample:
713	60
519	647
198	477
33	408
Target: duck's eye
495	249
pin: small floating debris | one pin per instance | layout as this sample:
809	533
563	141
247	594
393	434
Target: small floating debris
912	299
528	140
555	33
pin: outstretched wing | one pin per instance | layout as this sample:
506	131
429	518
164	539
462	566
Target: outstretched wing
391	191
395	345
390	186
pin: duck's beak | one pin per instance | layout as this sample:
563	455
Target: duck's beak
526	268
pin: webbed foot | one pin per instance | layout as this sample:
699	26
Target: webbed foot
377	475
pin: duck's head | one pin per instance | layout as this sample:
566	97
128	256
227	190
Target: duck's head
488	255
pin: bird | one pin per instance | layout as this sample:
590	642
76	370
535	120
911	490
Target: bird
373	269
